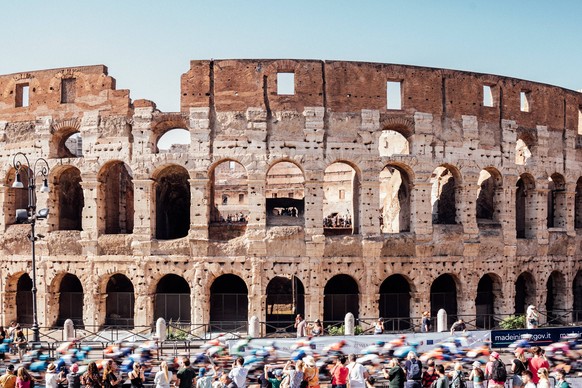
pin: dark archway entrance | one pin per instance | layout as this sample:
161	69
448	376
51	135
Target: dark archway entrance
70	300
556	296
341	296
70	199
228	304
120	301
443	295
172	203
116	197
485	302
525	292
285	299
24	300
173	299
395	303
577	294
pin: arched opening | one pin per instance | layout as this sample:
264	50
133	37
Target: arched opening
577	297
522	153
395	303
228	304
394	200
229	211
525	207
443	295
15	198
340	201
66	143
393	143
488	197
24	300
285	195
486	303
557	205
556	298
70	300
443	196
172	300
67	194
120	301
174	140
116	199
172	203
341	296
285	299
578	204
525	292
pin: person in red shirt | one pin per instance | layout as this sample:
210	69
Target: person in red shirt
339	373
429	375
536	362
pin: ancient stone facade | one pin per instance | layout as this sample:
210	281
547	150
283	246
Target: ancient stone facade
377	189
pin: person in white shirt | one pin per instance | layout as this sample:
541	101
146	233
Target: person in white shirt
238	374
357	374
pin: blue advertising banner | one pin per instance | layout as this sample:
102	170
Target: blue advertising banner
540	337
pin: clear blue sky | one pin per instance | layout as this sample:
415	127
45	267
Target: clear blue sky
147	44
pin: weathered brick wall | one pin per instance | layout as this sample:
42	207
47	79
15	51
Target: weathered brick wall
337	114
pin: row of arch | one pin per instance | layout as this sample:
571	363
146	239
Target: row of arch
285	297
285	198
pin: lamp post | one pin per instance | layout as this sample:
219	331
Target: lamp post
29	215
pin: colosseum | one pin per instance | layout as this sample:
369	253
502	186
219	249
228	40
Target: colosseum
307	186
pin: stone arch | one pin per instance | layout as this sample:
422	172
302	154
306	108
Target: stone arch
578	205
228	303
172	299
66	140
24	299
67	199
341	296
444	295
172	194
120	301
577	297
525	292
341	187
403	126
285	299
445	180
15	198
394	304
489	196
525	207
115	199
392	142
556	297
526	141
70	294
557	202
164	123
229	206
285	194
488	301
395	199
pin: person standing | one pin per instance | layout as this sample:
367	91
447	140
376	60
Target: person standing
477	376
109	380
357	373
51	376
395	374
186	374
426	324
561	379
537	362
339	373
204	379
8	379
379	326
238	374
532	318
413	369
457	378
163	377
300	325
544	378
458	326
73	378
91	378
136	376
430	374
442	381
518	367
23	378
495	371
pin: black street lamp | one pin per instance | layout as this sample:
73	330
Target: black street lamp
29	215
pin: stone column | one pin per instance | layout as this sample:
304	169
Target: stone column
507	214
257	223
541	212
256	295
421	214
143	306
314	193
199	300
89	236
199	216
4	198
570	208
144	216
369	205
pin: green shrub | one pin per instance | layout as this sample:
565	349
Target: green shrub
513	322
340	330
